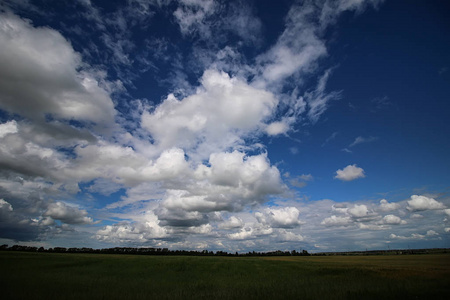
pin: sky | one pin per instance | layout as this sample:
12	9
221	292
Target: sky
225	125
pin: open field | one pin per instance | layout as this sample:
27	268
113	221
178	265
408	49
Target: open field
96	276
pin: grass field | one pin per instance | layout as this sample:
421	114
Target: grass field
96	276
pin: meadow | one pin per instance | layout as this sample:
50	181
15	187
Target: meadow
98	276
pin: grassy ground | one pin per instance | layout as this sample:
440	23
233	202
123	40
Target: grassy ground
95	276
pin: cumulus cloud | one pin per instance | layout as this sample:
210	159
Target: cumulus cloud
8	128
393	220
285	217
146	229
178	217
361	213
20	154
5	206
385	206
340	207
288	236
243	234
40	76
231	182
232	223
420	203
415	236
128	233
67	214
277	128
215	118
349	173
358	211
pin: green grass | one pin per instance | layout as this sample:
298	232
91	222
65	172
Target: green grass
96	276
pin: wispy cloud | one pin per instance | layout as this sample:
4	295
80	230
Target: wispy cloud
362	140
330	138
381	103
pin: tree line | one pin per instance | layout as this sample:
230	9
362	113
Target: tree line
148	251
166	251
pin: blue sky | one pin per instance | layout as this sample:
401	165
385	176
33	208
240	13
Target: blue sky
225	125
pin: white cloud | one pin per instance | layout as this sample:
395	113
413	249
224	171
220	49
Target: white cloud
19	153
232	223
381	103
277	128
67	214
216	117
420	203
285	217
5	206
128	233
8	128
293	150
431	233
301	181
386	206
180	218
44	221
336	221
340	208
330	138
40	76
200	19
416	216
332	9
231	182
362	140
144	228
177	199
415	236
393	220
359	211
287	236
318	99
191	15
242	21
346	150
296	48
373	226
243	234
306	177
349	173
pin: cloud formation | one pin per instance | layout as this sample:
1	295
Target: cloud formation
349	173
114	131
420	203
64	213
42	76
